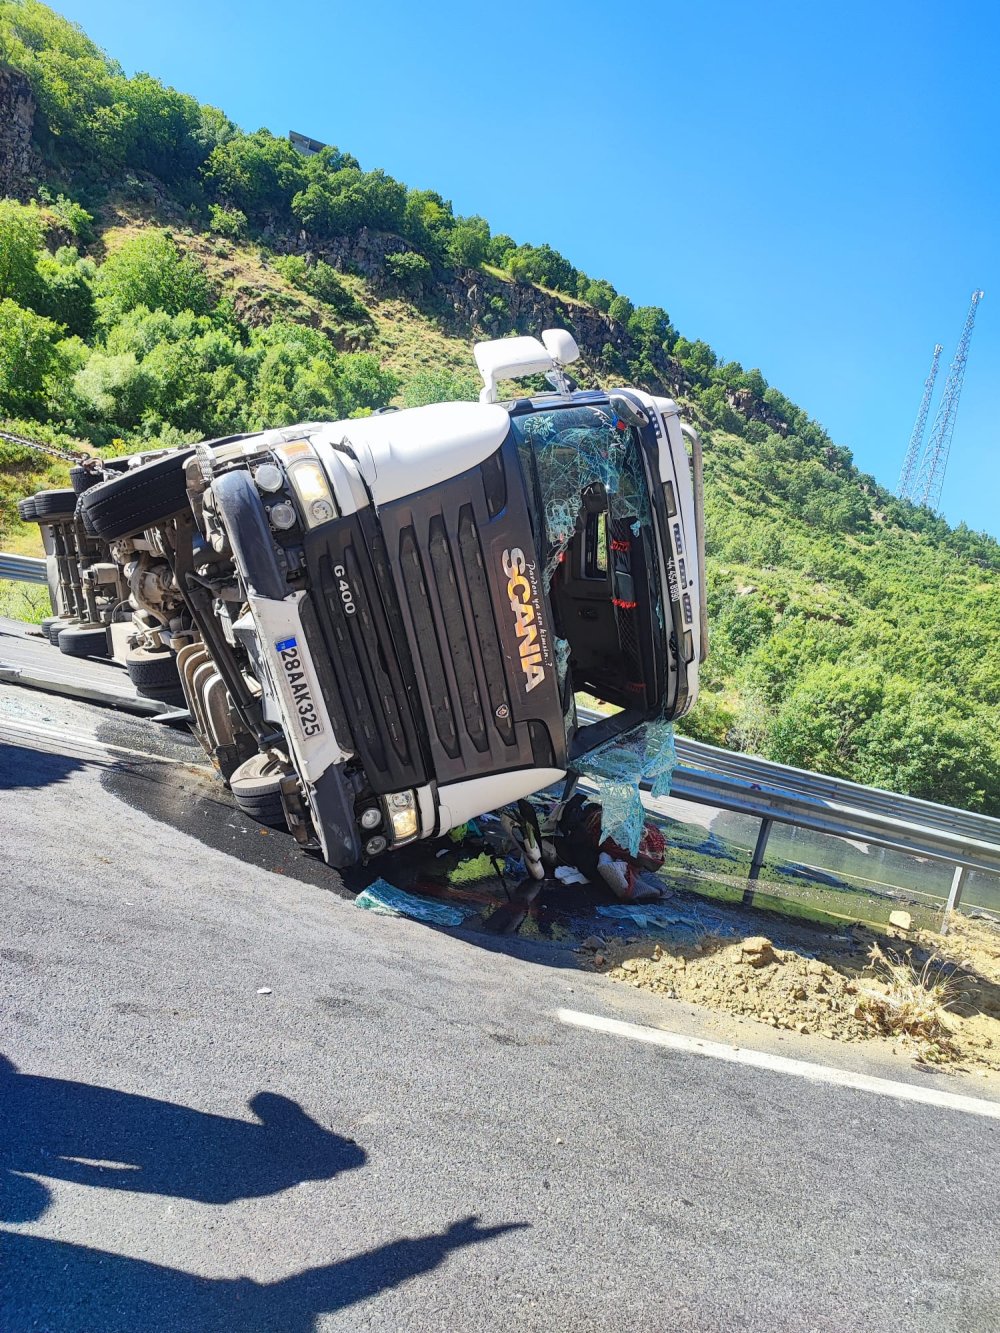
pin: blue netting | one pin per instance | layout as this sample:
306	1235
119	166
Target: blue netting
644	754
562	654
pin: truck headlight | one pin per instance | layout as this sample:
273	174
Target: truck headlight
402	807
308	482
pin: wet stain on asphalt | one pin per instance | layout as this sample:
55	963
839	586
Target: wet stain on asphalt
194	801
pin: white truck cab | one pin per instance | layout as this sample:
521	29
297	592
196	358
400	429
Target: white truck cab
380	625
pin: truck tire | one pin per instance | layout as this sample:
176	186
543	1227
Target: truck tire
155	675
56	627
85	519
26	508
82	478
46	625
139	498
256	788
55	504
84	641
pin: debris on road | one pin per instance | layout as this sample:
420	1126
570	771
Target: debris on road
263	990
939	1001
385	899
647	917
901	920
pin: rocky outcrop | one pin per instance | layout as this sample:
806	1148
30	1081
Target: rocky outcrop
470	299
754	409
18	163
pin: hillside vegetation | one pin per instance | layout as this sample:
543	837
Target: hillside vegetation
165	276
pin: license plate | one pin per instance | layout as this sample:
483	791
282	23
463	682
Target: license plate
299	688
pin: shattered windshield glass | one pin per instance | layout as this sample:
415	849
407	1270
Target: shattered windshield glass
575	450
601	569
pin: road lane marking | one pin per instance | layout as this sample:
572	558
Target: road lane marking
781	1064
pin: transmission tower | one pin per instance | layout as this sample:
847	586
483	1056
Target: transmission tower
909	473
930	478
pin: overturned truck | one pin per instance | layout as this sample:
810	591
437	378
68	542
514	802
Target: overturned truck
379	627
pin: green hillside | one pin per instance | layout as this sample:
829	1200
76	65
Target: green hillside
165	276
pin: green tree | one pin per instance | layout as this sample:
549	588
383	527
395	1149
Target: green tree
543	265
27	356
498	249
256	173
468	242
151	271
821	723
20	244
65	290
342	203
596	292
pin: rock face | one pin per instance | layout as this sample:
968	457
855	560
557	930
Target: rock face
17	119
492	307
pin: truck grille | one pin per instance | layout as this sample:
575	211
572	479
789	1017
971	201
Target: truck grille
436	542
359	619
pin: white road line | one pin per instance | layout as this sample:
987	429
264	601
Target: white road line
884	1087
70	738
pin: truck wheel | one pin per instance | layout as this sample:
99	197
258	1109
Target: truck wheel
46	625
56	627
55	504
139	498
82	478
155	675
84	641
256	787
26	509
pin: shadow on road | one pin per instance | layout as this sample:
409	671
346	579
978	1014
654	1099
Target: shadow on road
23	767
73	1289
117	1140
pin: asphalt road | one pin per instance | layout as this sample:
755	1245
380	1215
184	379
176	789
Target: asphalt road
401	1134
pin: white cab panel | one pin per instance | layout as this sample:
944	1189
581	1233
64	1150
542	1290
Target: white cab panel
401	453
460	801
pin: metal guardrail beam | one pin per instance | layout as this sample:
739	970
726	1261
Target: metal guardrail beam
23	569
765	790
774	792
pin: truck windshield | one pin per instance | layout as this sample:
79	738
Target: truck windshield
593	529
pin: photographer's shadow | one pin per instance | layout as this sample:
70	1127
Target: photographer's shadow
65	1288
117	1140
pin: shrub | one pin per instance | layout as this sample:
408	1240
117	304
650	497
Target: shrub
408	269
151	271
27	355
228	222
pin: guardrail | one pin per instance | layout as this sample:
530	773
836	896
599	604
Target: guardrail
23	569
777	793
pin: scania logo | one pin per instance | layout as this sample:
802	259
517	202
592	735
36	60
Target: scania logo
525	620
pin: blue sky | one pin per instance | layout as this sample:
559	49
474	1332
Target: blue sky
813	189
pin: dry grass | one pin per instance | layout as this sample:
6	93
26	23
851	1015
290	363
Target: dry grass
911	1002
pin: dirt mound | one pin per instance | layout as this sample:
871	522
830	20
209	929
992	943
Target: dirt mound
937	998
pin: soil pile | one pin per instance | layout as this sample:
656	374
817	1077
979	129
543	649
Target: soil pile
936	998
